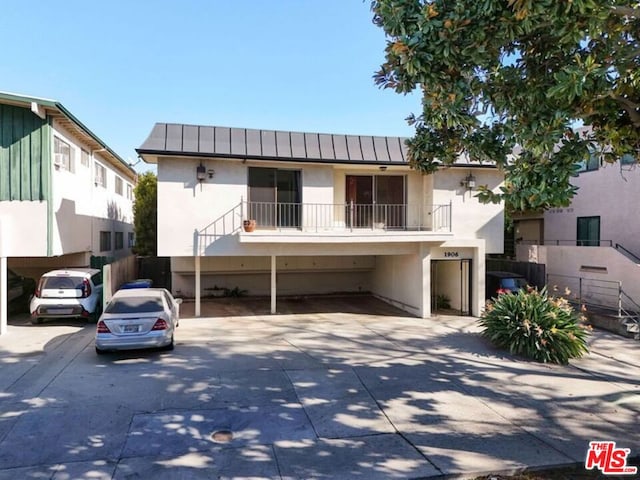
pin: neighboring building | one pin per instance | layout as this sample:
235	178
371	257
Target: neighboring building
333	213
594	244
65	196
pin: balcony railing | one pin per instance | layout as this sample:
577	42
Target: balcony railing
318	217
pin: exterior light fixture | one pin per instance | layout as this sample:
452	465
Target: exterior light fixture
383	168
211	172
469	182
201	173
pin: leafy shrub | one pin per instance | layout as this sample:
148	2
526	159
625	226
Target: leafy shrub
536	325
442	301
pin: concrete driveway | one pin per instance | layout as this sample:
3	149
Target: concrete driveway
361	392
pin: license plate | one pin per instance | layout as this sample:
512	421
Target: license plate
130	329
60	311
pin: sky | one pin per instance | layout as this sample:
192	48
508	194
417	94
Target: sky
120	66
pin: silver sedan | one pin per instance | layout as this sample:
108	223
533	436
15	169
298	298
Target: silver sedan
138	318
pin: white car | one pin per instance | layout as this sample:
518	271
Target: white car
73	292
138	318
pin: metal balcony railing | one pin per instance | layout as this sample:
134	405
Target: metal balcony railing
350	216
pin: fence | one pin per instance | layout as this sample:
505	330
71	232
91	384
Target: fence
535	273
116	273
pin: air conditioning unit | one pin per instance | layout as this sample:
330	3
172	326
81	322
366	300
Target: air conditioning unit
58	159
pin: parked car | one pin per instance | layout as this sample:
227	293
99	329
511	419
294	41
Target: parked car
74	292
503	282
138	283
138	318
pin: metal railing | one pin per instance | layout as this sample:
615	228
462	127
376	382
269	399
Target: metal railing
631	256
569	243
348	216
605	294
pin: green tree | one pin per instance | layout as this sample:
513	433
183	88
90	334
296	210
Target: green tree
145	214
504	76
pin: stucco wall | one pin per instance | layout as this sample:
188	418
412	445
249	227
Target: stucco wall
81	208
472	219
403	280
23	228
611	193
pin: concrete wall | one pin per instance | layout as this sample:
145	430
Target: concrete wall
403	281
611	193
599	263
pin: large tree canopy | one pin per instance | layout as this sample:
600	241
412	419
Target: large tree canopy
505	76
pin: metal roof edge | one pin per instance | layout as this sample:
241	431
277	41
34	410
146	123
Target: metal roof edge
64	111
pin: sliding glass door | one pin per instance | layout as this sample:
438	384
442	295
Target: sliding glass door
375	201
275	197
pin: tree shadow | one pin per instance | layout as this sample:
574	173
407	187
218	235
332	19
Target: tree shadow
309	398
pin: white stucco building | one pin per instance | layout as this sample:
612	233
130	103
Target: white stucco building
593	245
333	213
65	196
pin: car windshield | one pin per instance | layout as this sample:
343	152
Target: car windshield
62	282
515	283
135	305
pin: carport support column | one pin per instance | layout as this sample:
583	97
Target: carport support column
273	284
3	296
197	312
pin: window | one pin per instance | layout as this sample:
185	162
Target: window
588	232
101	175
119	185
275	196
119	240
63	154
84	158
590	165
131	239
105	241
129	192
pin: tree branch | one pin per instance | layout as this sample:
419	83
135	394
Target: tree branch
625	11
632	108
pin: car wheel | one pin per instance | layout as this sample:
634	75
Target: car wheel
169	347
100	351
36	321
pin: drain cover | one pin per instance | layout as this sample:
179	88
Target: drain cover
222	436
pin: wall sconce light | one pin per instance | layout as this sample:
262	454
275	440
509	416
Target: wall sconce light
469	182
201	173
211	172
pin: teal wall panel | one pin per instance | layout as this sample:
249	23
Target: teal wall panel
25	155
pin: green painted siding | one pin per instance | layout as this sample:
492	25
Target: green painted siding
25	155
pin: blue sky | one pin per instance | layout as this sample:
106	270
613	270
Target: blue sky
120	66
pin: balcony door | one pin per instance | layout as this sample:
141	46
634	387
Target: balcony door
275	197
376	200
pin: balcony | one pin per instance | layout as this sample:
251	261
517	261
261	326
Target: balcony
327	223
320	217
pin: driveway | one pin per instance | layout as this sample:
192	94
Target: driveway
361	392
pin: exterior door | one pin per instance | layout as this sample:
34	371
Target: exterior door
588	232
359	209
376	200
274	197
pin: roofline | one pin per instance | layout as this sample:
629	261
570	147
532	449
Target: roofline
53	104
165	153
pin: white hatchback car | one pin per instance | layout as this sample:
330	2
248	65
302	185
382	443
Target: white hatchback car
73	292
138	318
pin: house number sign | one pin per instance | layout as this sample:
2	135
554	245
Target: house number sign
451	254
